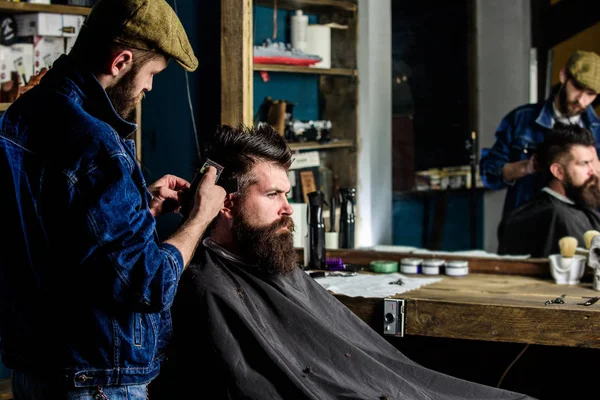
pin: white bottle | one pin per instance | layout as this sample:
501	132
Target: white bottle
299	27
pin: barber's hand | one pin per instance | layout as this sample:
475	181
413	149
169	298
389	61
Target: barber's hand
35	80
210	198
166	192
518	169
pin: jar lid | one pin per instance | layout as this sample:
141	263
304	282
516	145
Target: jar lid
411	261
384	266
434	262
457	264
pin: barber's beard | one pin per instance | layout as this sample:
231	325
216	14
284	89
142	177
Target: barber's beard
564	106
587	194
122	96
272	251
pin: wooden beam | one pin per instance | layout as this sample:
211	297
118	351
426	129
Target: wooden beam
236	62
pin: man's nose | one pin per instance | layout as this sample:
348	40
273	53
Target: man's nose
287	208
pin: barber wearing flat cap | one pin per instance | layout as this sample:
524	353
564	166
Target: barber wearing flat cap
85	285
510	162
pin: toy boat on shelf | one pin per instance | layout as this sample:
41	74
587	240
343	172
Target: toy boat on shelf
282	53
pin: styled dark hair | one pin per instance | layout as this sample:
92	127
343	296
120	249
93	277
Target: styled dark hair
558	142
239	148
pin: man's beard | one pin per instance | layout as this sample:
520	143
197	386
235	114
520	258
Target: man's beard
587	194
121	95
271	251
563	104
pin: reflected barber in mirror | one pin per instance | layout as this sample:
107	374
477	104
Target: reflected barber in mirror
510	162
567	206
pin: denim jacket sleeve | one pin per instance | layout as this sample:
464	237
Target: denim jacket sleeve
123	250
493	159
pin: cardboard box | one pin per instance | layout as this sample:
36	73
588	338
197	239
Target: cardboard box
39	24
46	50
6	64
71	24
22	56
69	43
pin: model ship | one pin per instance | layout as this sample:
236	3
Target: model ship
282	53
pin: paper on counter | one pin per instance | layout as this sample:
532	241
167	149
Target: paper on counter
368	285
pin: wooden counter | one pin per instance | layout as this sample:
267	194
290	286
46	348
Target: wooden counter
492	307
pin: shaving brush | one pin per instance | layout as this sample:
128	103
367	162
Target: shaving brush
588	236
568	246
567	267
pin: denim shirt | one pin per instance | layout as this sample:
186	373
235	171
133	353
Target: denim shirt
517	139
85	287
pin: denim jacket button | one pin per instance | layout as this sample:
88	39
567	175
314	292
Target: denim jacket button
81	378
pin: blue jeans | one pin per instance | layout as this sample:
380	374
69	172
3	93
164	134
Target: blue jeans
29	387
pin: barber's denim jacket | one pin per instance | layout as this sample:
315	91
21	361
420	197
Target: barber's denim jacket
517	139
85	287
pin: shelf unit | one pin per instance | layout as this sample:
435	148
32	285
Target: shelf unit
305	70
17	8
338	86
338	144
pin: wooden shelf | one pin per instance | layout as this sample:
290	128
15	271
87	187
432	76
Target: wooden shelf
318	146
305	70
7	6
311	5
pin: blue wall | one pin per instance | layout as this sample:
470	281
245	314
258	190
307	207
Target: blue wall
168	138
409	210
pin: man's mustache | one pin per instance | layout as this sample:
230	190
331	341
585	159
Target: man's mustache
284	221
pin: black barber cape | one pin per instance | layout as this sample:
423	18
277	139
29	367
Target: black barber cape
536	227
242	336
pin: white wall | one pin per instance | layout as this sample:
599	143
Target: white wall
503	43
374	191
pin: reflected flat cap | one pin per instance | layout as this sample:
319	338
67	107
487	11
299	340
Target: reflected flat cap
584	67
142	24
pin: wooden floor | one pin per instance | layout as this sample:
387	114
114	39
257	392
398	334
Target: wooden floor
5	393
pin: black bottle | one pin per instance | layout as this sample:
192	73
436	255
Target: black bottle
316	230
348	196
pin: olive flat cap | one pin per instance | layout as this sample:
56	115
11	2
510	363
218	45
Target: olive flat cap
142	24
584	67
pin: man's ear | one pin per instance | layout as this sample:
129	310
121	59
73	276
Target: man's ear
557	171
563	76
229	206
120	61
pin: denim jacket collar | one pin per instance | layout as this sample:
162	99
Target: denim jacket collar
546	116
86	88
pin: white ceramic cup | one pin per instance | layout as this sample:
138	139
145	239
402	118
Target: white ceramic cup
567	270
